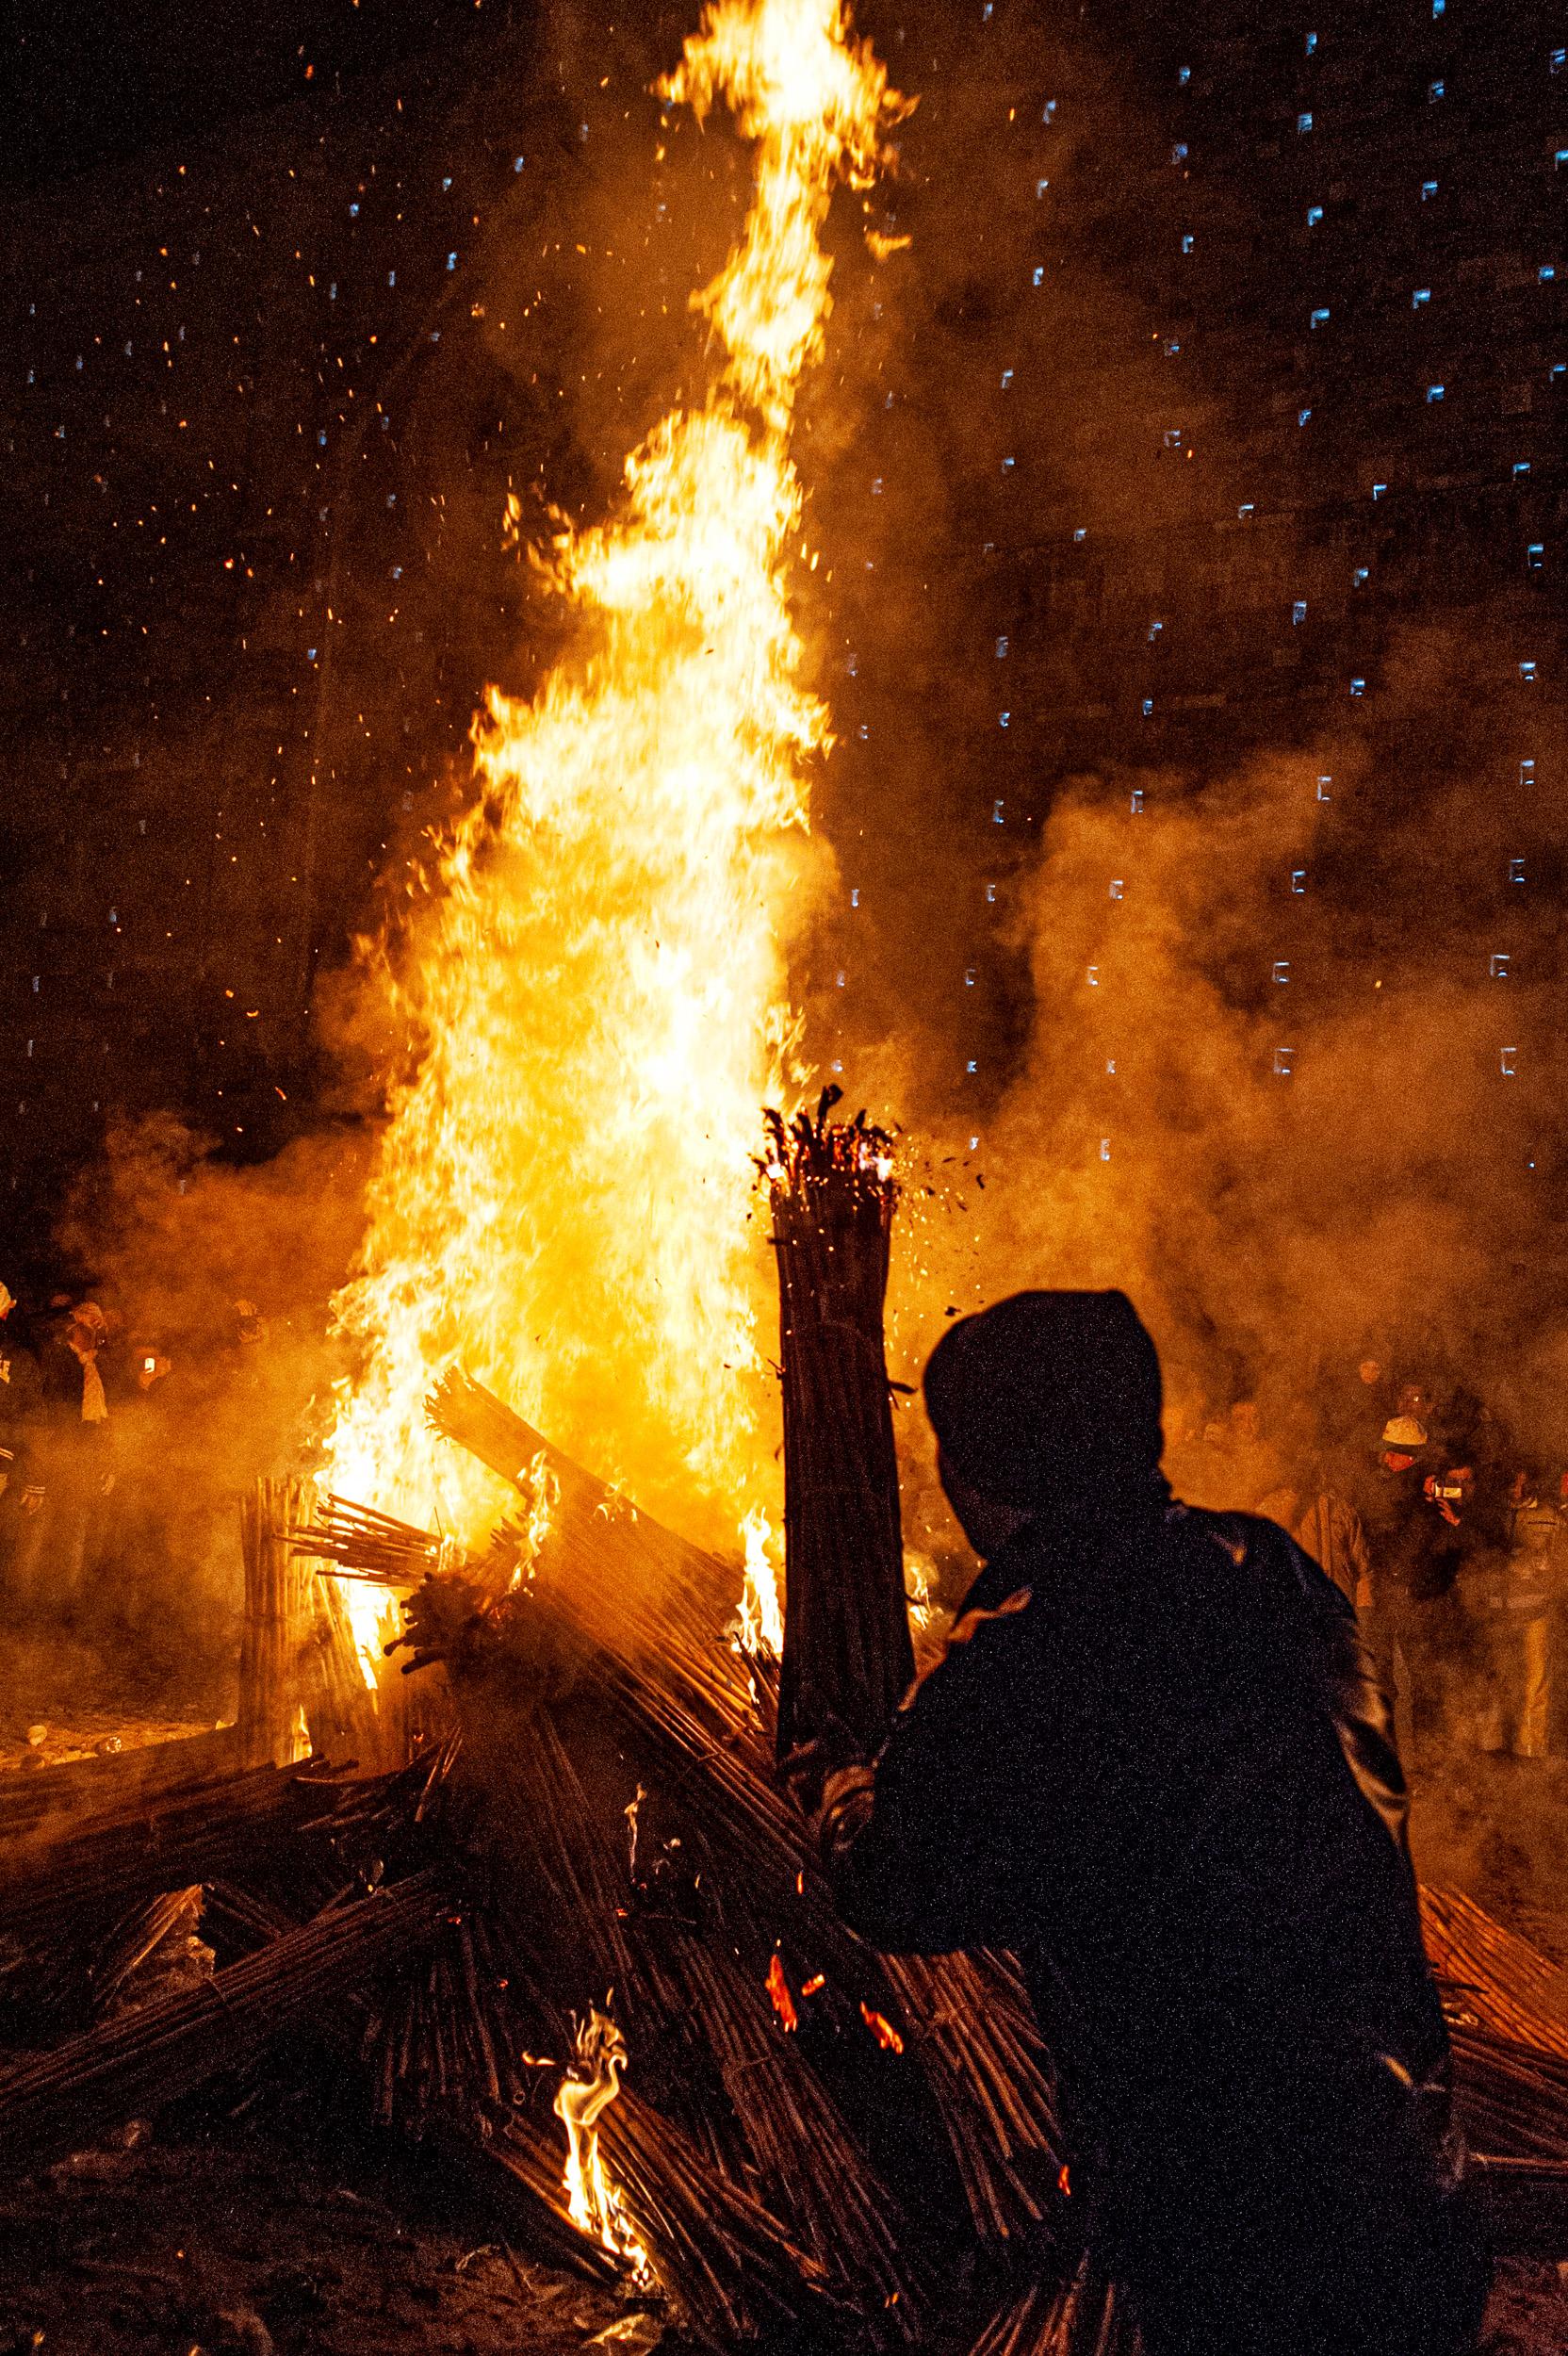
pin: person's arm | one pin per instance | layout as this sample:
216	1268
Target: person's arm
924	1846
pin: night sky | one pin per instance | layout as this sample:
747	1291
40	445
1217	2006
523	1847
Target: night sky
1206	444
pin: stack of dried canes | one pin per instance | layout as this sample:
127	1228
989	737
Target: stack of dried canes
847	1653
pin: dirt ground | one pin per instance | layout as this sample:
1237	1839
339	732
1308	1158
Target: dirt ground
227	2238
62	1699
235	2241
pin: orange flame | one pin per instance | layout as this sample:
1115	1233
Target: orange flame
590	2085
779	1992
598	983
882	2030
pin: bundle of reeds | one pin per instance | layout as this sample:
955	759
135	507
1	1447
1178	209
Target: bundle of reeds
57	2102
280	1611
847	1654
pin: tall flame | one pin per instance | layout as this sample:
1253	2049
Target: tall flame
598	979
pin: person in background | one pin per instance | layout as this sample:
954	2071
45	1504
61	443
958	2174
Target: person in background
1325	1525
62	1537
21	1405
1512	1594
1153	1763
1409	1580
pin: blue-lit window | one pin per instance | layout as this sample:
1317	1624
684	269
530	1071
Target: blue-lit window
1434	92
1521	465
1534	555
1187	245
1429	190
1319	318
1422	295
1301	416
1434	392
1315	214
1298	611
1303	122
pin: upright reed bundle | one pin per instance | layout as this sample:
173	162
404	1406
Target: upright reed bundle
280	1614
846	1624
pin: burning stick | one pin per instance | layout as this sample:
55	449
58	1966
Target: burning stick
846	1625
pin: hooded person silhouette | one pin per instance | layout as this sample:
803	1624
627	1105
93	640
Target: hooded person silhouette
1154	1762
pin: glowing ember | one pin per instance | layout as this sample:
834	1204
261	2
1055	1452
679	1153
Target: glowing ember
882	2030
591	2085
778	1993
595	974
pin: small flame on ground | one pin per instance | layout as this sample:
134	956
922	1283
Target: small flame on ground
591	2085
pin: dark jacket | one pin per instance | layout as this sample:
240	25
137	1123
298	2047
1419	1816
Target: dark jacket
1161	1772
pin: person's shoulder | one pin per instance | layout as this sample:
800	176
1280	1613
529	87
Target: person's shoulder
1253	1541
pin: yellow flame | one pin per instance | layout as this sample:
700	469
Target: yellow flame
541	1488
595	977
591	2085
920	1588
760	1621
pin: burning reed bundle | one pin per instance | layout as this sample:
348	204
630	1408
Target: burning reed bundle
846	1625
691	1936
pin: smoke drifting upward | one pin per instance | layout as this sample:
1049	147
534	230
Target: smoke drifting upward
1228	1036
1272	1085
